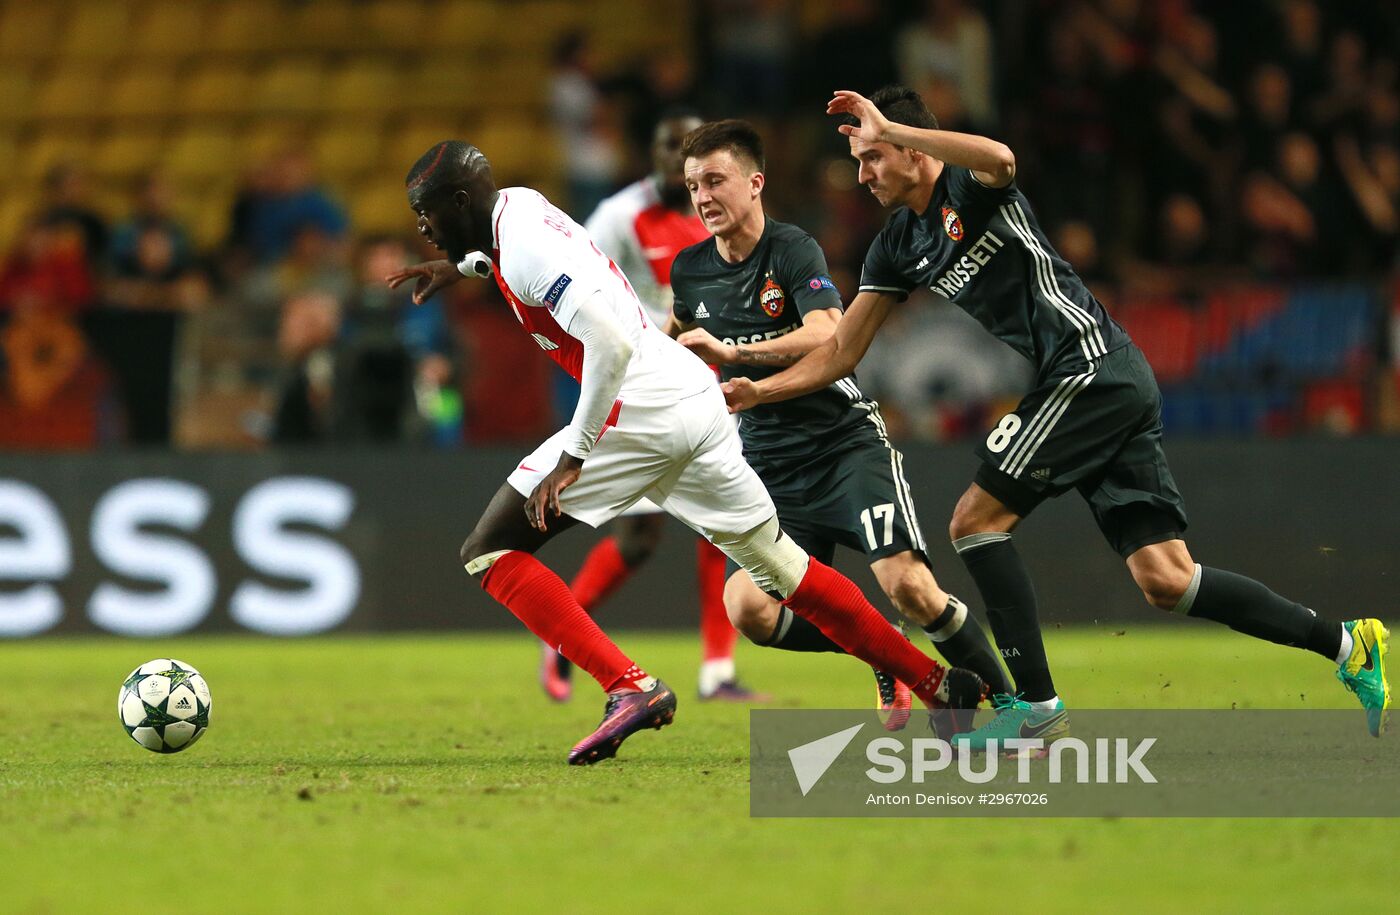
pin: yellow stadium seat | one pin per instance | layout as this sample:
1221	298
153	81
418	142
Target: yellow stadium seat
29	30
200	153
15	211
381	206
466	25
143	92
371	87
348	151
244	27
322	25
271	136
208	221
394	25
70	94
289	85
9	157
218	89
16	95
519	149
96	31
522	88
445	83
169	30
125	154
47	149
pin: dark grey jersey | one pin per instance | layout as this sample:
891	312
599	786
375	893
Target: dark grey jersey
763	297
982	249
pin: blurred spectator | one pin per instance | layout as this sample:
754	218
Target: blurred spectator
947	57
68	203
393	360
582	123
304	337
1267	115
152	284
277	204
53	391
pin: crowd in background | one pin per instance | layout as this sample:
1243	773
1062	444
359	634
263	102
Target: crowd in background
1170	149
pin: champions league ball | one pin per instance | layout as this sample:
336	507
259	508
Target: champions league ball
164	705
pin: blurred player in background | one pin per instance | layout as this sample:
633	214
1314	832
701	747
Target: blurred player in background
650	422
756	297
641	228
1092	423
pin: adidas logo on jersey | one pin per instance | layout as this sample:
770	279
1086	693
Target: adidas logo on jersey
702	311
922	264
1043	474
545	343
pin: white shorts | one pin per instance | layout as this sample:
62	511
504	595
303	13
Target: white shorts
685	457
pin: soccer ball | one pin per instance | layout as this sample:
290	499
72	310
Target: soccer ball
164	705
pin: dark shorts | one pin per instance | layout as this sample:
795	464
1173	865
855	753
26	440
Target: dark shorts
1096	428
857	498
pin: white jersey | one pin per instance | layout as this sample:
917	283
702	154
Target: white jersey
642	236
547	266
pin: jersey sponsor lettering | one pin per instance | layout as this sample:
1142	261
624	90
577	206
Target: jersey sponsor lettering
968	266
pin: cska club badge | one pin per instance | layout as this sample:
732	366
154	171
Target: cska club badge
772	298
952	224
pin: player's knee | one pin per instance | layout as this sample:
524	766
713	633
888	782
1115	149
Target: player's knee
751	612
913	592
1163	587
966	523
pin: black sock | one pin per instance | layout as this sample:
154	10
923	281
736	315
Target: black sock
962	643
793	633
1009	596
1246	606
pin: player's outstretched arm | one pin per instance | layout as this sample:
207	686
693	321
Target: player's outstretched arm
992	163
836	358
817	327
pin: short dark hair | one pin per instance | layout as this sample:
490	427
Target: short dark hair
739	137
903	106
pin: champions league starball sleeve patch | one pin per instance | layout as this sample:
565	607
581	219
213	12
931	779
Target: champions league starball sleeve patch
820	282
551	298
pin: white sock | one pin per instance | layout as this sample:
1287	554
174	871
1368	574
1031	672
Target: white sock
1046	705
715	672
1345	651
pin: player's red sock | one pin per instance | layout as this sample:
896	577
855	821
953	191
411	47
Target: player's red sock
602	572
717	635
832	603
547	607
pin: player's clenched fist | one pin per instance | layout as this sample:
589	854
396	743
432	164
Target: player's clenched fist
428	278
708	347
740	394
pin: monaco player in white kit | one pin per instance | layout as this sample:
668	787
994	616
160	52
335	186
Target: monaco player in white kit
650	422
642	227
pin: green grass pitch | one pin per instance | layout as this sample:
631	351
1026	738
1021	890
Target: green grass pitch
369	774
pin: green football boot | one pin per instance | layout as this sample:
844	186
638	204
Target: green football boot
1364	671
1016	718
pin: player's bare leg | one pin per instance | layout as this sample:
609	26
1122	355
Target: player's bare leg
1172	580
910	585
499	553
